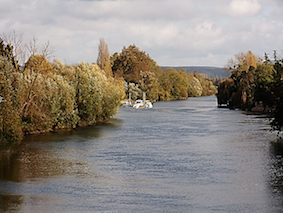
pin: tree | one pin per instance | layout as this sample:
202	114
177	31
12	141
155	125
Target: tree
277	89
103	59
42	96
194	85
7	52
10	130
16	41
225	91
39	64
264	83
173	85
130	62
148	84
242	62
135	66
97	96
243	82
250	61
46	51
277	121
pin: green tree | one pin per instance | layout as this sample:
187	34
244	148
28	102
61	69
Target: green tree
10	130
148	84
264	83
277	89
97	97
173	85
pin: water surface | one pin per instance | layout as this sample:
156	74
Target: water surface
180	156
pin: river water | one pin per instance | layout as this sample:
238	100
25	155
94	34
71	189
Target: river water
180	156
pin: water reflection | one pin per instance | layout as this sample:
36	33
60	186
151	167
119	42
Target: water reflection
276	167
80	135
183	156
38	157
10	203
31	162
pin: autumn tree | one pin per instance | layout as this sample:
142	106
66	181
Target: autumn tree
10	130
7	52
243	72
242	62
252	82
130	62
44	96
103	59
39	64
136	66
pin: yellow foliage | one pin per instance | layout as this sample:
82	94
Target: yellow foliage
38	64
249	61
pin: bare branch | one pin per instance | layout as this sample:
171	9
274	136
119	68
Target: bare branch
47	50
16	40
22	51
32	46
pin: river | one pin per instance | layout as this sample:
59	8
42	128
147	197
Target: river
180	156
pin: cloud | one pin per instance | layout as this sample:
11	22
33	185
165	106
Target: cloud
179	32
244	7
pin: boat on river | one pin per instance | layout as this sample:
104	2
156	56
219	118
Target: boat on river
142	104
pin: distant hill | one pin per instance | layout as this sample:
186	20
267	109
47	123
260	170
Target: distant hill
210	71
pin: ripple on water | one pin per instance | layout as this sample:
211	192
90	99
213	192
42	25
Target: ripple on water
181	156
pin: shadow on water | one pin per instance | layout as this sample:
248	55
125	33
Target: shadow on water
9	203
45	156
183	156
276	167
9	171
80	134
49	154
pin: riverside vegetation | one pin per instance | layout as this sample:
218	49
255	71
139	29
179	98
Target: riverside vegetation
40	96
43	96
254	85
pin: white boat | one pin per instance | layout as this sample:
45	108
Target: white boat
140	104
148	104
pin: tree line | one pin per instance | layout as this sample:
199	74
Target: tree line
37	95
142	74
254	84
40	96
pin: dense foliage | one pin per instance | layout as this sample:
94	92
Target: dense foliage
142	74
255	85
44	96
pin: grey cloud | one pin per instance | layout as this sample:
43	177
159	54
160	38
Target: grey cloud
180	32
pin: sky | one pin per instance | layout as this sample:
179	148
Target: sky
172	32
